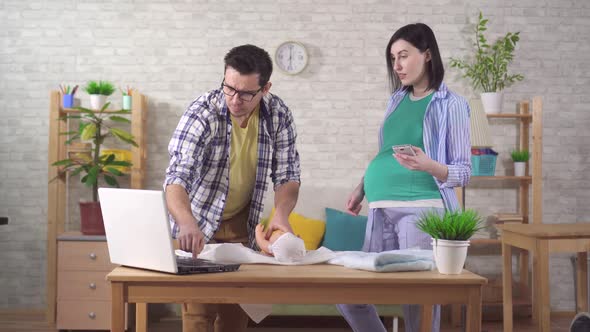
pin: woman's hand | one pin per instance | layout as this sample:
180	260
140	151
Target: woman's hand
353	205
421	162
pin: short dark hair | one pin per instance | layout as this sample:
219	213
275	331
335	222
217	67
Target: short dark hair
250	59
422	38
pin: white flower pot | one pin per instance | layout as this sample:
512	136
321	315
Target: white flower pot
492	102
97	101
449	256
519	168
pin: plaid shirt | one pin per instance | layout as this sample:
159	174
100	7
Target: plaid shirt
199	158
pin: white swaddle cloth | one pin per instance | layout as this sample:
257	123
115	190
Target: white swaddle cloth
288	248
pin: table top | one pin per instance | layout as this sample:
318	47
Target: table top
262	274
549	231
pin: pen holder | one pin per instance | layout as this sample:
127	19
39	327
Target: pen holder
126	102
68	100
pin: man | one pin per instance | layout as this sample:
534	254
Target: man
225	145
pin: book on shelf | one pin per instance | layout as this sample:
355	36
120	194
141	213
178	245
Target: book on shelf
500	219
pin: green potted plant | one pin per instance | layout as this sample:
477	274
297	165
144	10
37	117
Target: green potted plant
94	165
99	91
520	157
450	234
489	69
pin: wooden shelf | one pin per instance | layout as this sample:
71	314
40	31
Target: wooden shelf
503	178
509	116
516	301
57	230
75	110
483	241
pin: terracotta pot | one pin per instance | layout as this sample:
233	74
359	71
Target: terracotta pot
91	218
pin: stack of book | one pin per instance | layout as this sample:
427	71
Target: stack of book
503	218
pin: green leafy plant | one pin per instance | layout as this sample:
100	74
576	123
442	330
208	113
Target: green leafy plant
453	225
99	88
92	126
489	69
520	155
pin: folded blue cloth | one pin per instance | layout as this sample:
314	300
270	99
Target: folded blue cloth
386	261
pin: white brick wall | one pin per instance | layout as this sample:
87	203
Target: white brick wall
172	51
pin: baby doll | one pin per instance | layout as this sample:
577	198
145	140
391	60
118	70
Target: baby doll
285	247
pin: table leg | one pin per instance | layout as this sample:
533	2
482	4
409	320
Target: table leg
507	286
473	321
426	319
534	294
456	314
582	282
542	288
141	317
523	271
117	308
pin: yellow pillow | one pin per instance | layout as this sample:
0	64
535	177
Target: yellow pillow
311	231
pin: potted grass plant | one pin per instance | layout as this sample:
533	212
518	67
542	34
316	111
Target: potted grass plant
488	70
94	166
99	91
520	158
450	234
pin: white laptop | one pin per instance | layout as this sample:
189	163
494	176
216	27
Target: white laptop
138	233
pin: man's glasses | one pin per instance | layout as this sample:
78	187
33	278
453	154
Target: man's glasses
243	95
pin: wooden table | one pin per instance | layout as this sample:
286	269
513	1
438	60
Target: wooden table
313	284
540	240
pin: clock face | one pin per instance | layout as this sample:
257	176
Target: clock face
291	57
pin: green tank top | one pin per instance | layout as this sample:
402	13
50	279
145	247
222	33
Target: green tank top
385	178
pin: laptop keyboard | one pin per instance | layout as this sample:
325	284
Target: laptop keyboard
189	261
189	265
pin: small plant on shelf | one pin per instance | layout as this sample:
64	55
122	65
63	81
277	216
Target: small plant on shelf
104	88
98	92
489	69
520	155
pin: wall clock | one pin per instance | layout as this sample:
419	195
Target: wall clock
291	57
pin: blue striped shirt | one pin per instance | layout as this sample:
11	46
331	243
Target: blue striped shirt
199	158
446	138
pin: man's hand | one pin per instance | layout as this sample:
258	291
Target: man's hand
191	239
278	222
353	205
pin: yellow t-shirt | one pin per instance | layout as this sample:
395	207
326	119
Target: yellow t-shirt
243	158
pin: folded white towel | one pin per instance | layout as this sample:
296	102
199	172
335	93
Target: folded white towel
386	261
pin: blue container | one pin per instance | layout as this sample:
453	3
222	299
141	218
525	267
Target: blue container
483	162
68	101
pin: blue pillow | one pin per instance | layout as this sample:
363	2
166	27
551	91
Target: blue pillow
344	232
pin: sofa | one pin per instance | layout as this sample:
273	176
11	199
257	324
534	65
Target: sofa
319	219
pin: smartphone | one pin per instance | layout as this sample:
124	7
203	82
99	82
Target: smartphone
404	149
